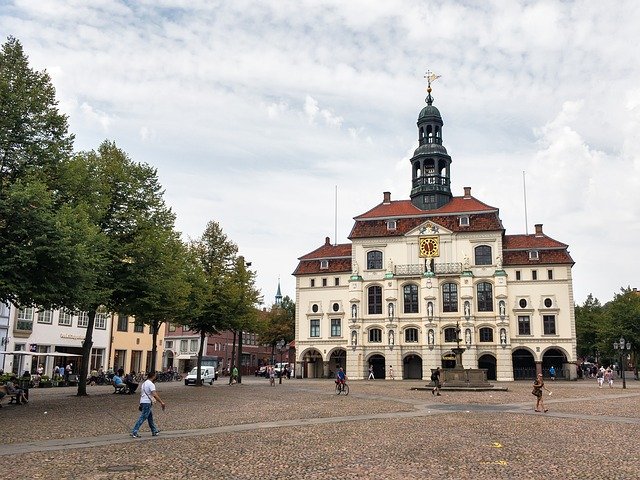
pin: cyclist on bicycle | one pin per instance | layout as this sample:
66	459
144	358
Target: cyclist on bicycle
341	377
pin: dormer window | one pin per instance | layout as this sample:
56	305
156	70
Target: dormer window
324	264
464	221
391	224
533	255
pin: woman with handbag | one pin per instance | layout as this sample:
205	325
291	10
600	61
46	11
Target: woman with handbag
538	385
148	396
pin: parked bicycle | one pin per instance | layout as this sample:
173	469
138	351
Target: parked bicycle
342	387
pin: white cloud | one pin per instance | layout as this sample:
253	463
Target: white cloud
253	111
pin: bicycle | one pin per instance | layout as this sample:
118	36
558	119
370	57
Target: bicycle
342	387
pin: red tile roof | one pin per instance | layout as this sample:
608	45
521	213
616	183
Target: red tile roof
482	222
545	257
528	242
338	265
404	208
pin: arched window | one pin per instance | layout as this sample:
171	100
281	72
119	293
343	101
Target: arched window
450	297
375	300
450	334
375	335
485	297
410	298
483	255
486	334
374	260
411	335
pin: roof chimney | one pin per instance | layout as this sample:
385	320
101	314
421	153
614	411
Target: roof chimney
467	192
327	241
386	199
539	230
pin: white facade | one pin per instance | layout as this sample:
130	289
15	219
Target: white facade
421	274
53	332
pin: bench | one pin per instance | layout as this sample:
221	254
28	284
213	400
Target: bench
73	380
122	388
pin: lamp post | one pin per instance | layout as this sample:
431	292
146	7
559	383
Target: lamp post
280	346
622	346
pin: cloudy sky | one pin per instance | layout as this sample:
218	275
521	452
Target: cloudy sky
254	112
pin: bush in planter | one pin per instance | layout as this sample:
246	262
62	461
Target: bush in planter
45	382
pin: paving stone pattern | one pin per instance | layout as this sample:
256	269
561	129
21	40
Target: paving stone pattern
302	430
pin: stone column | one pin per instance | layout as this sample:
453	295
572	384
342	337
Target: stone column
325	369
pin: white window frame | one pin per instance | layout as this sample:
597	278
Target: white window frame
464	221
83	320
65	318
534	255
324	264
45	316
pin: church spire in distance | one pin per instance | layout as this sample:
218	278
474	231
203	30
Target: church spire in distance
278	294
430	164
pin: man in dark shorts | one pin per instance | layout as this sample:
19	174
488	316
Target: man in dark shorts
435	378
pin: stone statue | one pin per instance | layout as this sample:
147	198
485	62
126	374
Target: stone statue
467	337
391	337
499	262
502	309
355	269
430	335
390	310
390	266
503	337
430	309
354	311
354	338
467	309
465	262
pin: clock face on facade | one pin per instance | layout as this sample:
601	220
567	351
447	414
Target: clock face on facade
429	247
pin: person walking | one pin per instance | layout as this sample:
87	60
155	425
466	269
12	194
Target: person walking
600	377
371	376
234	375
538	386
148	396
552	373
608	377
272	375
391	372
435	378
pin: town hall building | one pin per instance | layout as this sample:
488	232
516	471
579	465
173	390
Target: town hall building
422	275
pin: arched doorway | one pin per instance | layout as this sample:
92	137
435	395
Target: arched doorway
489	362
337	359
412	367
169	359
312	366
524	365
379	367
556	358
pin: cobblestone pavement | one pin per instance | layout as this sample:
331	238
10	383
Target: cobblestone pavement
300	429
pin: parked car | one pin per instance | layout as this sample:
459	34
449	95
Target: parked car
280	367
207	375
261	371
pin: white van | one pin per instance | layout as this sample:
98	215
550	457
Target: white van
207	375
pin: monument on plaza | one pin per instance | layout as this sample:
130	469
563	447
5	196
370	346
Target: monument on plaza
462	378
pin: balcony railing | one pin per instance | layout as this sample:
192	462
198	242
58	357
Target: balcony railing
419	269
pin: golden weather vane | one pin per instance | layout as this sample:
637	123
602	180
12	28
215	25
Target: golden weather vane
431	77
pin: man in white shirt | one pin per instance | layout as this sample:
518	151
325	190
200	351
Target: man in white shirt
148	396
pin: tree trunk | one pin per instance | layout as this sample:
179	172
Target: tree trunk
240	356
199	362
233	356
86	354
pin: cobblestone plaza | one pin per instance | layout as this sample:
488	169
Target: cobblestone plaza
301	429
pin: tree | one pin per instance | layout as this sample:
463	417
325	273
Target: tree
279	325
212	257
124	202
244	298
589	321
41	238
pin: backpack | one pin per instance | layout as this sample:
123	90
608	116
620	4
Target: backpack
434	377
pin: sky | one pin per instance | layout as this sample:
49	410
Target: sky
271	117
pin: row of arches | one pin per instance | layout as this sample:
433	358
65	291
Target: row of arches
522	359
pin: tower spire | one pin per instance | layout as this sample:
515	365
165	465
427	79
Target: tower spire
278	294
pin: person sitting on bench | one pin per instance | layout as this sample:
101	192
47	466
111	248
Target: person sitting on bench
130	380
18	393
118	382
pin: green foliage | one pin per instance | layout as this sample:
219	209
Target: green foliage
599	326
42	240
279	323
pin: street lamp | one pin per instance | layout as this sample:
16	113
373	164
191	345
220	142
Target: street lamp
280	346
622	346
